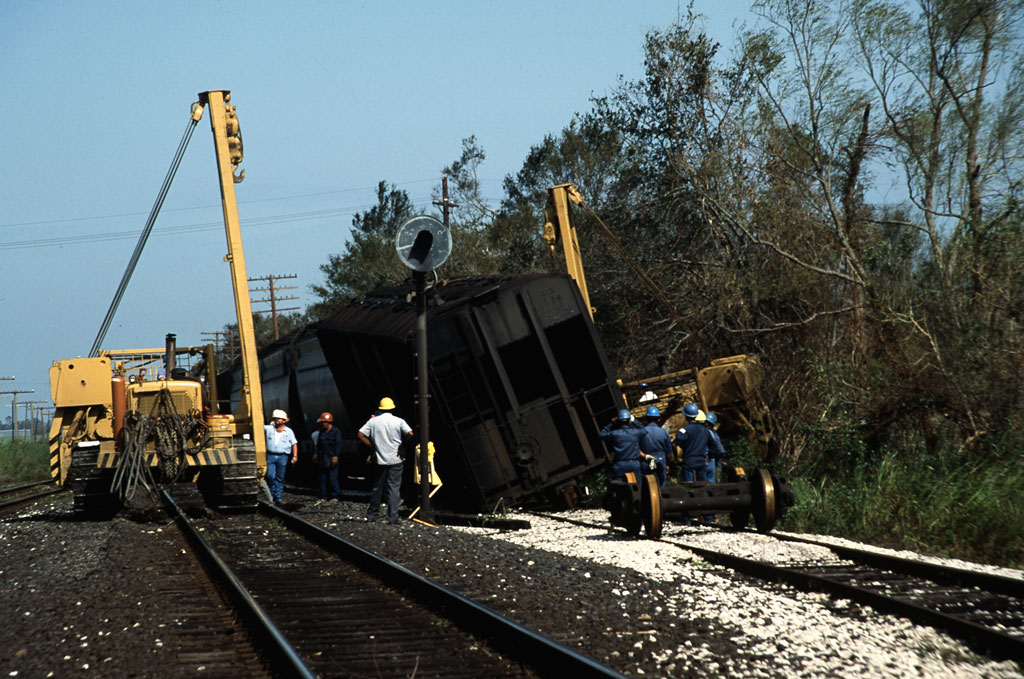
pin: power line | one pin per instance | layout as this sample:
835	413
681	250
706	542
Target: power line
189	228
211	206
225	342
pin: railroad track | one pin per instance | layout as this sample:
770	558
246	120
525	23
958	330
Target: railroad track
984	610
13	498
320	605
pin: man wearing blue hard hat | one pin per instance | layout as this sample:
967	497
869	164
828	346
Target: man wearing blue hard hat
624	439
716	451
692	439
656	443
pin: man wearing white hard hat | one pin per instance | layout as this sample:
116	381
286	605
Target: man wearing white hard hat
281	443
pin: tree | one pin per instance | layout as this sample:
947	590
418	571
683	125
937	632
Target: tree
897	306
471	218
368	260
263	327
949	83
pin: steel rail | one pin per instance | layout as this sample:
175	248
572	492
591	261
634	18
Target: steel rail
950	575
546	656
14	503
996	643
23	486
986	639
257	622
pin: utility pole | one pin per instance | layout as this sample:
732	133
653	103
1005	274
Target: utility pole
32	409
14	409
273	299
225	341
444	203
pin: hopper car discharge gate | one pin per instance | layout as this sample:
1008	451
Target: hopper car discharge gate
130	418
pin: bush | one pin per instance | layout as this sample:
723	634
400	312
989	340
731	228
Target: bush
23	462
950	504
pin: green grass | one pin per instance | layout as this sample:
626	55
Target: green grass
23	462
948	505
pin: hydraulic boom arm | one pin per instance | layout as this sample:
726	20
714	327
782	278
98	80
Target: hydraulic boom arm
228	144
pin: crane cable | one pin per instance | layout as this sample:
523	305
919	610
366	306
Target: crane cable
147	229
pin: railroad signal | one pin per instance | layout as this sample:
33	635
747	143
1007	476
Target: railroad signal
423	244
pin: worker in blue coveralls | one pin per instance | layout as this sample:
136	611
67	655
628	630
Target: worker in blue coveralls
624	439
692	440
657	443
716	451
326	452
281	444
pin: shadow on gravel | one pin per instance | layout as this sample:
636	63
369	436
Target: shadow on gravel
49	516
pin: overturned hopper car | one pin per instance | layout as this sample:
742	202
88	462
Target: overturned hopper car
519	382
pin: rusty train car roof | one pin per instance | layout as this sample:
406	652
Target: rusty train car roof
391	311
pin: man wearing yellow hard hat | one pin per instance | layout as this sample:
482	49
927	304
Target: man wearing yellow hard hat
385	433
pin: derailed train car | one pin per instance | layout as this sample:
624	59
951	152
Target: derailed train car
519	383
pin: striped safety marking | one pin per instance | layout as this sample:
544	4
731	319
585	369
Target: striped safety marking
55	428
204	458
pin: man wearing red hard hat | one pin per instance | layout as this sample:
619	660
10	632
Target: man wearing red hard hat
325	456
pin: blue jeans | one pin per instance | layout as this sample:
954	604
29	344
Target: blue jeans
329	479
276	464
690	474
389	475
709	471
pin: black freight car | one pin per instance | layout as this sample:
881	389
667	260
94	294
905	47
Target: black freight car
295	377
519	382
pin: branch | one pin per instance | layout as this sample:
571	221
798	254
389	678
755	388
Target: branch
794	324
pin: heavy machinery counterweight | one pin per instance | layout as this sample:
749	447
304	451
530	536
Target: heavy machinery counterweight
131	418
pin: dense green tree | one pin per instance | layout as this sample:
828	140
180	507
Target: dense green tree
868	308
368	260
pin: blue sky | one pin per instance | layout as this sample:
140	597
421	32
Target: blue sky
332	98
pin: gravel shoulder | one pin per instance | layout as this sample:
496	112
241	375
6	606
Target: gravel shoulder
648	608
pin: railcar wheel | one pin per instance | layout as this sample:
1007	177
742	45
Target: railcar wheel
650	506
762	495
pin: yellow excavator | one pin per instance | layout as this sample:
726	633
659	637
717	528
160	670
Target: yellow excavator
729	386
130	418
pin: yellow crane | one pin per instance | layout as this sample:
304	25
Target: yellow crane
134	416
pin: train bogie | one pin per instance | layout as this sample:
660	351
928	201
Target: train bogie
636	502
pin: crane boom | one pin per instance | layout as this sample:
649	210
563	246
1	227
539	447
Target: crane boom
228	144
